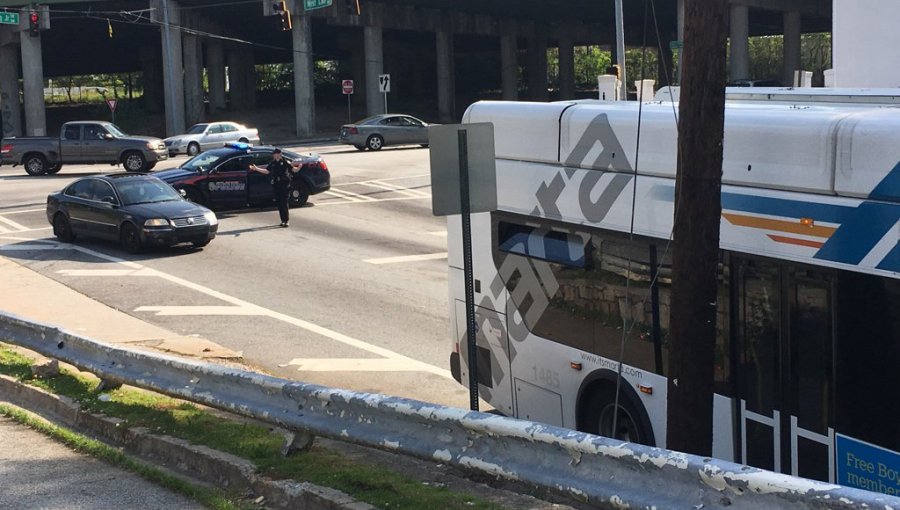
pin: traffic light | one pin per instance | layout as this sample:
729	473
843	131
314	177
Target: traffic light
281	10
34	23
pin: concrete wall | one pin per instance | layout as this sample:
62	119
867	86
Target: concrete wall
866	43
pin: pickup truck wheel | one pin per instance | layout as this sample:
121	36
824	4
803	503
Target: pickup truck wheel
133	161
35	164
54	169
131	238
62	228
193	149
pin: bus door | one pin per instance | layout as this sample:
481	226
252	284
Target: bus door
492	356
784	374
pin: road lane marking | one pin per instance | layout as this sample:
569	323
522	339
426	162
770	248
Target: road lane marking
377	200
351	195
407	258
13	224
102	272
24	211
351	365
438	233
27	247
4	230
176	311
397	189
300	323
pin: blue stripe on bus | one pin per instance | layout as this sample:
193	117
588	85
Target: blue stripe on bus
892	261
787	208
889	188
860	233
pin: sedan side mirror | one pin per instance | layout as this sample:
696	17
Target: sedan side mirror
109	200
108	136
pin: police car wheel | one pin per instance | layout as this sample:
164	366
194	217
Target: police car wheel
299	195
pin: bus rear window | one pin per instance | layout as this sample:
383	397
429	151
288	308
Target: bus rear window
544	244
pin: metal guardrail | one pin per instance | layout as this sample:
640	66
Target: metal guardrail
598	470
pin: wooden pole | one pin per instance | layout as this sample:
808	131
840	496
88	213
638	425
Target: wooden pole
698	208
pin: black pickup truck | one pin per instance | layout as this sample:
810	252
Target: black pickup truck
84	143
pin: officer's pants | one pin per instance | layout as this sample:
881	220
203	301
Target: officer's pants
282	193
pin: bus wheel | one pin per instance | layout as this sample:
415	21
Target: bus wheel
631	422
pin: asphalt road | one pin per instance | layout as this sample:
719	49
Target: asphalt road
353	294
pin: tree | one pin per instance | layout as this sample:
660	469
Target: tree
698	209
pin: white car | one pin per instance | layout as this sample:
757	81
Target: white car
210	135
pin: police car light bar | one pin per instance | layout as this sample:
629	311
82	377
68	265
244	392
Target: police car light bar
238	145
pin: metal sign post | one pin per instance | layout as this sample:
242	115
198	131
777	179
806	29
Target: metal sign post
384	86
112	103
347	89
464	181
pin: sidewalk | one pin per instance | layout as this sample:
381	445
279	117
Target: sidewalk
33	296
49	476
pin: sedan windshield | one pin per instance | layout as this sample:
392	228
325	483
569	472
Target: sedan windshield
197	129
146	191
114	129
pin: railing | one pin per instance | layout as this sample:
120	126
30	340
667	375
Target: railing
598	470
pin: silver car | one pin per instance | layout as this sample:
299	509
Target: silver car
211	135
383	130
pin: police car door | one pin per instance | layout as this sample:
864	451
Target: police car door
227	183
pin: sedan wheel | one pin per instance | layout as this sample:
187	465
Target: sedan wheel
193	149
131	238
62	229
375	142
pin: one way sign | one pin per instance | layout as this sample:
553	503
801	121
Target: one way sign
384	83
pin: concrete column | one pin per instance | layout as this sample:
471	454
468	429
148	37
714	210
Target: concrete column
679	14
304	87
509	67
248	63
241	78
537	68
235	82
566	68
740	42
151	79
33	84
446	76
10	109
193	79
374	51
215	72
792	33
172	64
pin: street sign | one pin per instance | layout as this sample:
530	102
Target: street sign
311	5
112	103
384	83
464	181
676	45
347	87
9	18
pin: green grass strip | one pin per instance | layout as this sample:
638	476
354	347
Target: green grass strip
110	455
256	443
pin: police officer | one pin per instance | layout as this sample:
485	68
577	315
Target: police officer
281	172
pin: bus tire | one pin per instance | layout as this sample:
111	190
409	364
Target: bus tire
595	413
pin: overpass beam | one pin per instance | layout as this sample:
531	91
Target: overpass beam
169	15
537	67
374	50
33	84
10	109
792	33
304	89
740	42
446	76
241	78
215	71
566	68
509	67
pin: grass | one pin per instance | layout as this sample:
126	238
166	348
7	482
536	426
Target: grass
259	444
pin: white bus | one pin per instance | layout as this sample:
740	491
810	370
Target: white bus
808	350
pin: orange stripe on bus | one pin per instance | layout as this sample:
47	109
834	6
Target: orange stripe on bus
798	242
793	227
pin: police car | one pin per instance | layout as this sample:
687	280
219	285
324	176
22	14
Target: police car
221	178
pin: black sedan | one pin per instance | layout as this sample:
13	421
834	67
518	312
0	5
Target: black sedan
135	210
222	177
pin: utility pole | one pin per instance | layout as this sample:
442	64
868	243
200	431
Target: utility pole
698	209
620	51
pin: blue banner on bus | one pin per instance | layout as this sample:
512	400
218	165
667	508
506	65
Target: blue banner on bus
866	466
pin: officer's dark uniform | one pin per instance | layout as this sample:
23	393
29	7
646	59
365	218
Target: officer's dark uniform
280	172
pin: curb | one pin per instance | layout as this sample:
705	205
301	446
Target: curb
196	461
